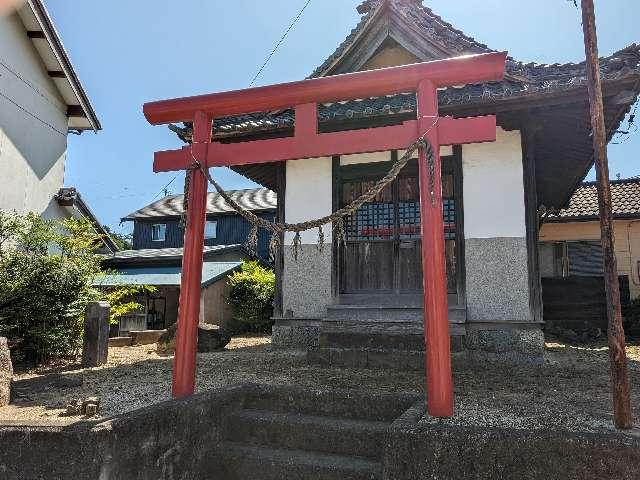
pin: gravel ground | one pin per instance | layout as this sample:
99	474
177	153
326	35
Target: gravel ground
571	391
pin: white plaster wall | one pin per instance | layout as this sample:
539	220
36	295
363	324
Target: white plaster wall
33	126
493	188
365	158
382	156
308	195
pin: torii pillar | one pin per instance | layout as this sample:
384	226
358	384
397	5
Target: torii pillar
422	78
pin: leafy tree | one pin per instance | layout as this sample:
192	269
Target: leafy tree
251	295
48	272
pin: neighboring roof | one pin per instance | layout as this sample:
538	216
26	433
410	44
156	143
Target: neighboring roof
167	276
436	39
150	255
254	199
70	197
47	42
625	202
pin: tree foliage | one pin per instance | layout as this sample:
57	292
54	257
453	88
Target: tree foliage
251	295
48	270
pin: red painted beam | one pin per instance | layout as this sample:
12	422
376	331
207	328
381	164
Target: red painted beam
434	277
184	362
308	144
386	81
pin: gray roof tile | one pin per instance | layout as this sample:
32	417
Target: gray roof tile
255	199
625	201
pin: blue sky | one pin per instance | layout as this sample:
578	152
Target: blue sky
130	52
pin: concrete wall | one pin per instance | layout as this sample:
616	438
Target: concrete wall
214	307
419	451
167	441
33	126
494	223
627	244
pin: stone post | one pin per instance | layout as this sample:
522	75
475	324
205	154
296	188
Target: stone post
6	372
96	334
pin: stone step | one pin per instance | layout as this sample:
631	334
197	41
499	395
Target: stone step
367	338
386	359
340	436
347	404
242	462
387	313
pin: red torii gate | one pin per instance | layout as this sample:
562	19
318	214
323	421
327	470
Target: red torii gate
304	96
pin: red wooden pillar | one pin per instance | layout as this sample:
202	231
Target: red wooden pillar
434	281
184	362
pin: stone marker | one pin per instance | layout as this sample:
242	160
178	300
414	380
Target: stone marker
210	338
6	372
96	334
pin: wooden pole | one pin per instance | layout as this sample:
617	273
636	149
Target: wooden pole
617	353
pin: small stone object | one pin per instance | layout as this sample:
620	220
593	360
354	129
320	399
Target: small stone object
74	408
6	372
211	338
89	407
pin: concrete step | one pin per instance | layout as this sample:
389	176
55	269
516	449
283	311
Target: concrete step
345	404
241	462
340	436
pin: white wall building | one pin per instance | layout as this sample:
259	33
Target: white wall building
41	101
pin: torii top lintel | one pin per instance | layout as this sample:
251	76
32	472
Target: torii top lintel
424	78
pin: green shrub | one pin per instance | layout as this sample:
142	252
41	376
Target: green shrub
251	295
47	274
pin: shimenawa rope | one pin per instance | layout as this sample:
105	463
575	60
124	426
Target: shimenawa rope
336	218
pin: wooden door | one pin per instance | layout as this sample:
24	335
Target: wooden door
382	254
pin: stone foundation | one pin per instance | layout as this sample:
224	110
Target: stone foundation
295	334
515	345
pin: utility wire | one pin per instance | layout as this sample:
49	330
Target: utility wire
295	20
164	189
253	80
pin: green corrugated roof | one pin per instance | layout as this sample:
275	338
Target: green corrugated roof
167	276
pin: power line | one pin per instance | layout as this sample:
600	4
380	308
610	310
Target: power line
30	113
164	189
295	20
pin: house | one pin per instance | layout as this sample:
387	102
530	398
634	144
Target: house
349	304
41	101
156	257
161	268
571	255
158	225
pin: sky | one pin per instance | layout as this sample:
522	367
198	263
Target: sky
129	52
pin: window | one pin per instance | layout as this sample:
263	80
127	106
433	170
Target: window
158	232
570	259
211	230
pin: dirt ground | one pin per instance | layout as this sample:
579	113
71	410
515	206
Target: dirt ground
570	391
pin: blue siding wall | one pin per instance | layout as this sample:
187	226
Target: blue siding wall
232	229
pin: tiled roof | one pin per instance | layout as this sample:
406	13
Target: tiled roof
254	199
164	253
521	80
625	200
